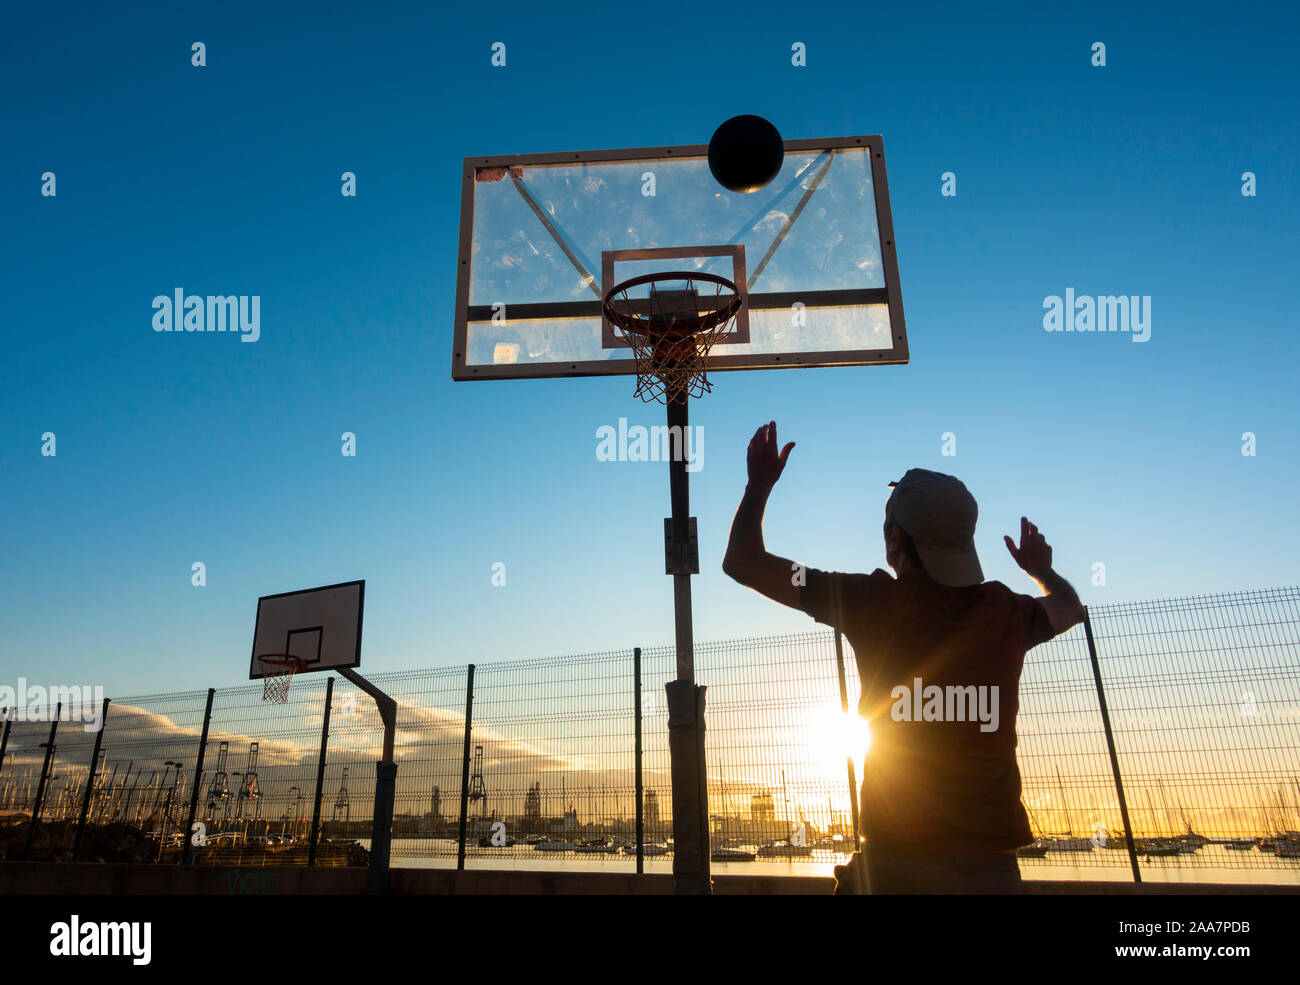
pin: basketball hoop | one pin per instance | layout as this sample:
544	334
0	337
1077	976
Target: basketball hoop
275	686
671	329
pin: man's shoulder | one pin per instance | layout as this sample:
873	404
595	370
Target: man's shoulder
837	597
998	588
857	578
856	583
1025	611
1004	593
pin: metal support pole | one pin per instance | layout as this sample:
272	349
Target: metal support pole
187	851
640	790
690	800
1110	744
90	781
679	489
381	838
40	786
381	841
464	768
320	774
685	699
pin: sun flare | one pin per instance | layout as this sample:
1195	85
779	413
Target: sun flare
833	735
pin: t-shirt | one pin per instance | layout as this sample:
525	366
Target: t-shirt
942	785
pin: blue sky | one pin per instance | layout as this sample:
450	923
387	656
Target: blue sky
174	449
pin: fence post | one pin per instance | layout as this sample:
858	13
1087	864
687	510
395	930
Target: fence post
464	768
1110	743
187	848
844	707
640	817
855	876
90	781
320	773
40	786
4	739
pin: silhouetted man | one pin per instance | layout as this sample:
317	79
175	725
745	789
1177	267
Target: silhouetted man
939	654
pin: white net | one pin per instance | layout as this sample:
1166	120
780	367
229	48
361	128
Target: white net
275	686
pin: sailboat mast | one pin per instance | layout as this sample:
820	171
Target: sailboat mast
1065	804
1160	785
1033	822
1151	811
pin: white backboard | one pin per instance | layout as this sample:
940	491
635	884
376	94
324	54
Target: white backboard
319	625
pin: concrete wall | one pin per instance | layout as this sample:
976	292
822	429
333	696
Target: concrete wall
86	878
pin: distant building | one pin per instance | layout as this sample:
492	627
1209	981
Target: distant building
653	827
432	823
533	809
762	815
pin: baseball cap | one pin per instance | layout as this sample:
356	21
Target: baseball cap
938	512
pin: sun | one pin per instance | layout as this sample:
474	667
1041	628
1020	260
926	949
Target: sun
832	736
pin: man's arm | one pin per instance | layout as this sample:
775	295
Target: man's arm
747	560
1034	555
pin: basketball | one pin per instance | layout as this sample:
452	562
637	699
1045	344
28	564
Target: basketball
675	350
745	153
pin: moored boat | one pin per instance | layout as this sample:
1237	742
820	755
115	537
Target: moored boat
647	848
1068	844
783	849
1160	849
596	846
731	855
554	845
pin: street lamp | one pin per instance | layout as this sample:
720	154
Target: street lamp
296	802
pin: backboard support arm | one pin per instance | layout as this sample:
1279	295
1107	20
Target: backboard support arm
549	226
381	838
791	220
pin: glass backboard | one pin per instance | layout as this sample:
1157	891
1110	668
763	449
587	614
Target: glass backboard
544	237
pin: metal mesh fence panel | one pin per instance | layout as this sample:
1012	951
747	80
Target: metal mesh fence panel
142	785
429	743
19	784
1203	694
776	744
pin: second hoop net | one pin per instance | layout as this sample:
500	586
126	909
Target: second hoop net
275	686
671	321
